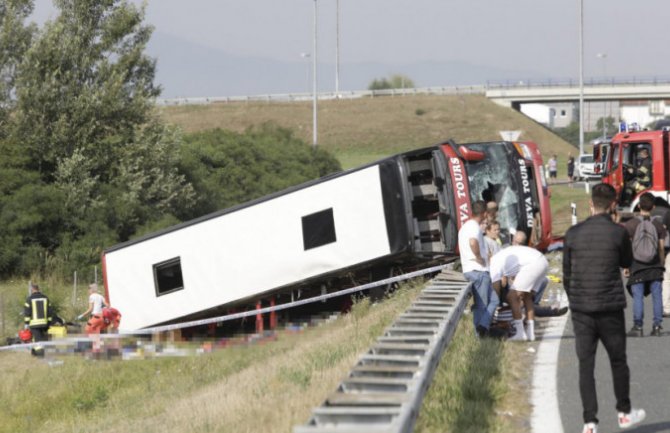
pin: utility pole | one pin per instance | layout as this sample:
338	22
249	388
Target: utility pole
603	56
581	77
337	48
314	80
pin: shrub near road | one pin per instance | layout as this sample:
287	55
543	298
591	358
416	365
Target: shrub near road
227	168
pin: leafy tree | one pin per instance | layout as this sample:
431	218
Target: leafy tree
85	85
609	123
227	168
80	123
15	38
571	134
396	81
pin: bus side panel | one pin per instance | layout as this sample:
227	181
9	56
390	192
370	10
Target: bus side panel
253	250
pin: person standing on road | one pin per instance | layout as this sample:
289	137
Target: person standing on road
594	252
474	261
553	167
571	168
37	314
664	213
646	276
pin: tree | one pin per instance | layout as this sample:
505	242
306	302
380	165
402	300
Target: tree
80	123
15	38
85	111
227	168
396	81
85	85
609	124
571	134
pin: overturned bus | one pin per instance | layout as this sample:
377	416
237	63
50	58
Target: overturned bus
396	213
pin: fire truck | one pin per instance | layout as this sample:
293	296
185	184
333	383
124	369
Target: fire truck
618	160
400	212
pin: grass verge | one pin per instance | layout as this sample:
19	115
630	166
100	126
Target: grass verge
561	212
479	386
263	387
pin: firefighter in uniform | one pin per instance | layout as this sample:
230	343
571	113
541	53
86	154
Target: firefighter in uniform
639	176
642	171
37	316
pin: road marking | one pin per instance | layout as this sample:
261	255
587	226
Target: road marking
546	417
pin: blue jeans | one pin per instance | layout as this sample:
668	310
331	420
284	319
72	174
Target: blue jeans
486	299
637	289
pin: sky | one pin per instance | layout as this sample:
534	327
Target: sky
248	47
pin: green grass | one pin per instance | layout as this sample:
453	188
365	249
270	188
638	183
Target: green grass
358	131
561	198
472	386
261	387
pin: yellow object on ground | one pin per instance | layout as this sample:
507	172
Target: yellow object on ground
57	331
554	278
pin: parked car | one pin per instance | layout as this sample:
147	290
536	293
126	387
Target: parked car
585	168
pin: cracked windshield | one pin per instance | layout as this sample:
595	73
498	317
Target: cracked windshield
491	179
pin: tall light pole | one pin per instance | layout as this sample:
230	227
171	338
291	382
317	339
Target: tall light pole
581	77
603	56
314	95
337	48
306	56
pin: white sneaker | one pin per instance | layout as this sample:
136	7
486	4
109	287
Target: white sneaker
590	428
520	332
635	416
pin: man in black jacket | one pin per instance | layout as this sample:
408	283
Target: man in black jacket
37	314
593	254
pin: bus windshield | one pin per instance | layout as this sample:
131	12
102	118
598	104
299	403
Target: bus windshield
495	178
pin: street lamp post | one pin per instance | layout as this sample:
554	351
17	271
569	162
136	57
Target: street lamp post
307	56
603	56
581	77
337	49
314	80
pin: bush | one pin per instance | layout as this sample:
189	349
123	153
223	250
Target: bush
228	168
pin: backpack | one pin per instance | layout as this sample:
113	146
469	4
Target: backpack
645	242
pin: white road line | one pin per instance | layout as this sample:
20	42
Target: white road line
546	417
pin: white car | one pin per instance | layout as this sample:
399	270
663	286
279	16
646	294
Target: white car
585	168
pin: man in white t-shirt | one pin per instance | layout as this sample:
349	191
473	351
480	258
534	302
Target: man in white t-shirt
524	270
95	303
474	261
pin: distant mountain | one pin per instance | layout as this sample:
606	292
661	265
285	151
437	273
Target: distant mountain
187	69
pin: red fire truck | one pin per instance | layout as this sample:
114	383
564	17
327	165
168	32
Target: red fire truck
618	161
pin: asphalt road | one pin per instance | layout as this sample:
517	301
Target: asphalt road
649	362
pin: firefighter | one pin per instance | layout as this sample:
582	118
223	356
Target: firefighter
37	314
639	177
642	171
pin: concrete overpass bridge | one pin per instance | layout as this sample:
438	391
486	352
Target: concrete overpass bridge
513	95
